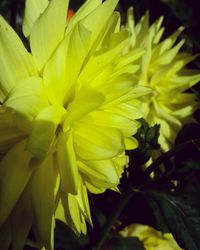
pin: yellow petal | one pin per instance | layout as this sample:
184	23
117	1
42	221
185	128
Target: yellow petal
28	97
131	143
82	199
81	106
131	26
84	205
43	199
166	44
14	176
67	164
94	21
107	119
48	31
131	111
60	213
72	212
77	209
16	63
55	72
64	70
77	51
33	9
43	131
21	220
84	10
94	189
102	59
9	134
141	29
97	143
168	56
101	173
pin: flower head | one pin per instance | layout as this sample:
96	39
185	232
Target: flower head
68	113
163	69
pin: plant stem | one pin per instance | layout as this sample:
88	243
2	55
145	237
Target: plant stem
171	153
125	198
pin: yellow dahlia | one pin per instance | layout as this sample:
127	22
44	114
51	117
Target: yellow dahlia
163	69
68	112
151	238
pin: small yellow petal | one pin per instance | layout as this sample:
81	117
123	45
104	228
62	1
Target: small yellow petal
43	199
67	164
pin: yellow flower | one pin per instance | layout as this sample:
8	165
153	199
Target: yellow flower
68	112
151	238
163	69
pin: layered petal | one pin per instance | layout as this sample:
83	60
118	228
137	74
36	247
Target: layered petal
43	131
48	31
33	9
43	187
97	143
16	63
28	97
68	168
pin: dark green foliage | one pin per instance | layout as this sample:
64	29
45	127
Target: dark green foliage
182	219
119	243
65	239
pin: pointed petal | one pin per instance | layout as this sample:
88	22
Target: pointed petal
33	9
168	56
64	70
85	9
67	164
101	173
94	189
48	31
77	51
94	21
103	59
60	213
131	143
16	63
43	199
56	71
77	209
14	176
166	44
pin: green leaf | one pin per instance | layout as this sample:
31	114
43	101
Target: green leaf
182	219
65	238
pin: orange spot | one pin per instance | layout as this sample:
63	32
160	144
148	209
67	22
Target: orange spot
70	13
